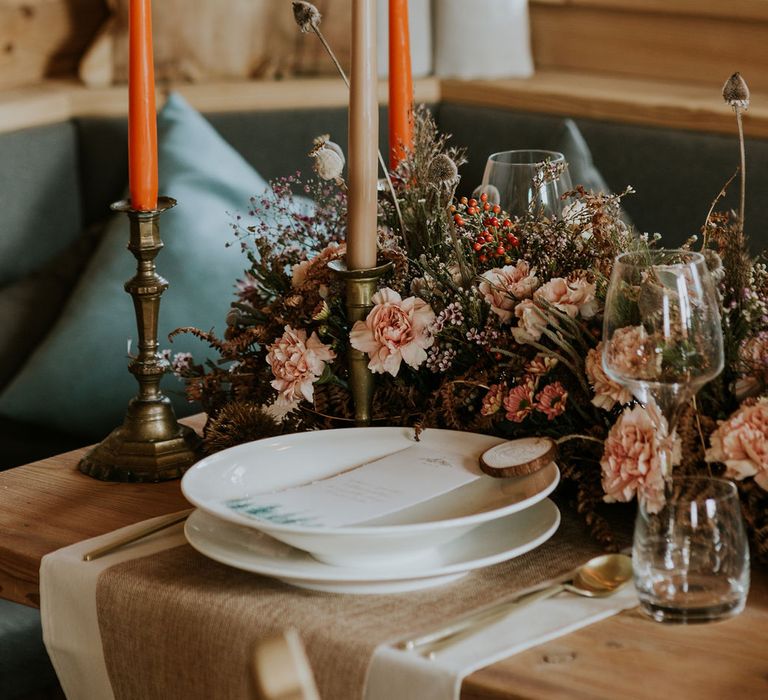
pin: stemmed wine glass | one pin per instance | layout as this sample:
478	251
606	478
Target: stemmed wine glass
662	337
517	180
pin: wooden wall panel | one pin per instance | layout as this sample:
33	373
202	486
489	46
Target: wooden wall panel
42	38
658	45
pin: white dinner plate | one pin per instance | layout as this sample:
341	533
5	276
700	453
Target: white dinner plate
407	535
490	543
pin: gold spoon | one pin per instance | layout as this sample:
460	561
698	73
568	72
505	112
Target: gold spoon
598	578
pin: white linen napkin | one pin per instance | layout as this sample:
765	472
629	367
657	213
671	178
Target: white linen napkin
483	39
408	676
68	607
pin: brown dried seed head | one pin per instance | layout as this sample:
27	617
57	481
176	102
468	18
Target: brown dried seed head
307	16
442	170
736	92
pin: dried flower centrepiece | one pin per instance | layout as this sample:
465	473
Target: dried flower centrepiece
487	323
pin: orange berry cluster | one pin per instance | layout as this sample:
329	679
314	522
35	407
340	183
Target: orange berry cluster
493	237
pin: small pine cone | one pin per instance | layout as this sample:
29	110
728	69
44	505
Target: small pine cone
236	423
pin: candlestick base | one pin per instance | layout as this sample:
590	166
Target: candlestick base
150	445
360	288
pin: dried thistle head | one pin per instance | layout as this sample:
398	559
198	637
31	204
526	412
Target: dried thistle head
442	171
307	16
736	92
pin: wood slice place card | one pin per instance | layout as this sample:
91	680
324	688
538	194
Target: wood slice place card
518	457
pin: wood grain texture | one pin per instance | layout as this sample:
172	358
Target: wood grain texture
685	47
55	101
628	656
49	504
732	9
610	98
40	38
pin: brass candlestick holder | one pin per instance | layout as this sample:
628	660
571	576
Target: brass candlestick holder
150	445
360	288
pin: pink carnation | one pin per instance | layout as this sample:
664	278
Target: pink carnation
741	443
572	298
395	330
503	287
551	400
297	363
632	458
531	322
607	392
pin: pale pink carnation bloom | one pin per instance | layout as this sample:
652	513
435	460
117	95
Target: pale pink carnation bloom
519	402
607	392
632	352
503	287
395	330
299	273
632	458
572	298
741	443
297	363
530	324
551	400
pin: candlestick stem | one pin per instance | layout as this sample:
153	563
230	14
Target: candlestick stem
150	445
360	287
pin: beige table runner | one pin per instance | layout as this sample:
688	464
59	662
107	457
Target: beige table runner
178	625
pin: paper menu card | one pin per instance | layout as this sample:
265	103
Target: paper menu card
392	483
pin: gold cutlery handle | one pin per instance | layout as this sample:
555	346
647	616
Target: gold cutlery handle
162	524
478	617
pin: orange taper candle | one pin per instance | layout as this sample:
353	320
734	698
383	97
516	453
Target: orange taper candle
400	83
363	139
142	119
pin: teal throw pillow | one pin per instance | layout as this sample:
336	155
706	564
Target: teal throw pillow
77	380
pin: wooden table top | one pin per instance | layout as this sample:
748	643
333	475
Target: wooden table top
49	504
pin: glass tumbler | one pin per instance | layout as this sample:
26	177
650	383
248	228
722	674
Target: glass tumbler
691	558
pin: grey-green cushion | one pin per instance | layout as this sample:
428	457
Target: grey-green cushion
77	381
486	131
39	197
29	306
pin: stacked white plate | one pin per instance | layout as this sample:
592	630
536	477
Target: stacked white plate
430	543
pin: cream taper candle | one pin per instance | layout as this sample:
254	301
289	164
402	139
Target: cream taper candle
363	139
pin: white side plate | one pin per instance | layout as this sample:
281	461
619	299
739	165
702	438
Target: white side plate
490	543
